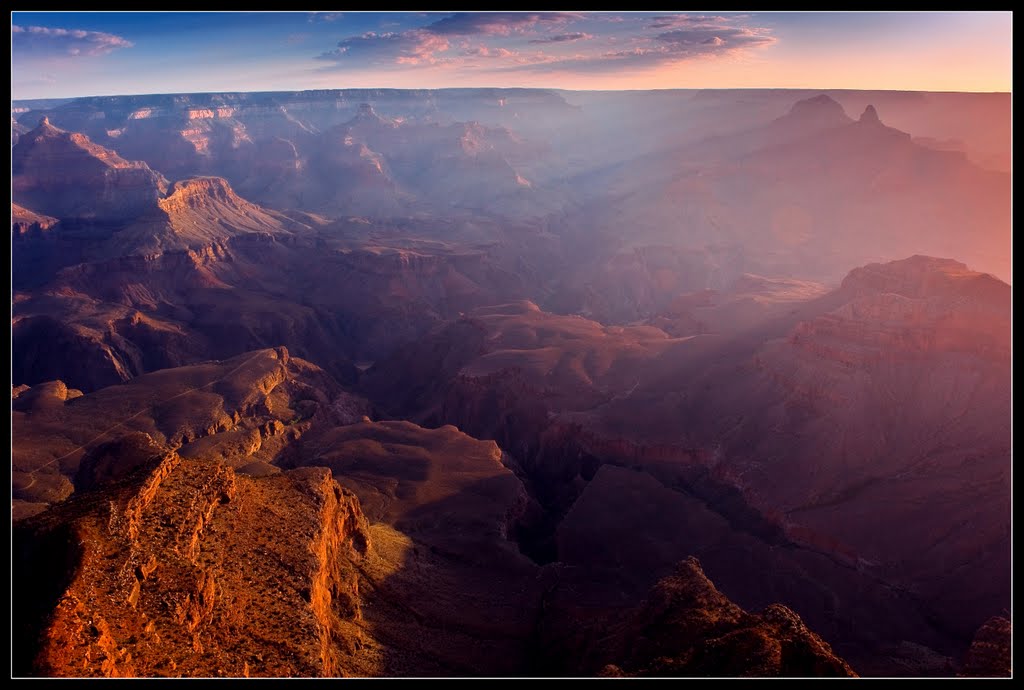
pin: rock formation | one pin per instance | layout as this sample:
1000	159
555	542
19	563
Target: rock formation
686	628
455	383
990	652
24	221
66	175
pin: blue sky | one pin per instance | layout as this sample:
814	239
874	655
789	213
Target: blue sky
78	54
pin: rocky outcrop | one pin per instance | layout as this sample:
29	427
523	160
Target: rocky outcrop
45	348
912	308
24	221
66	175
921	277
686	627
199	193
451	592
990	654
113	460
173	559
198	218
100	437
167	555
184	573
870	116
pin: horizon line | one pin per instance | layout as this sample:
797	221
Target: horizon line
509	88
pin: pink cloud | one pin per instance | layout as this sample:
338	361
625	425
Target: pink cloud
500	23
484	51
405	48
51	42
563	38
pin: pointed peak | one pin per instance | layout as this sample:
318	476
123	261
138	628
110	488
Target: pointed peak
45	127
870	115
366	115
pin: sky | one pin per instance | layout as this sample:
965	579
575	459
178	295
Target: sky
68	54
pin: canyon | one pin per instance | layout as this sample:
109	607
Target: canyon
482	382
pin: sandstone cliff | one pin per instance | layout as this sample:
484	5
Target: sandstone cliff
186	568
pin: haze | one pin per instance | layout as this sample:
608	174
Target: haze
595	365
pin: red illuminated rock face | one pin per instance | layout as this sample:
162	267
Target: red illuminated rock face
24	221
195	504
190	569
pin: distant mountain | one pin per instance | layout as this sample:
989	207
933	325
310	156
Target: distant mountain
69	177
822	111
378	165
801	205
198	260
806	118
288	150
66	175
197	213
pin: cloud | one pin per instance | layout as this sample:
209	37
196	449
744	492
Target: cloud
678	20
706	40
413	47
491	23
621	60
425	45
325	16
50	42
45	78
562	38
484	51
699	41
691	37
538	41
